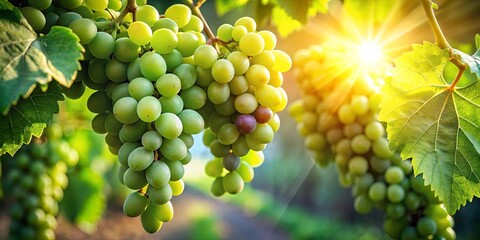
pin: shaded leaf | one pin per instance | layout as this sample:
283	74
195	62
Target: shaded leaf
225	6
435	125
9	12
84	202
473	62
29	117
27	60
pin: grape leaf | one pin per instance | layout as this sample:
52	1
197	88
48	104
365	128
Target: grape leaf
306	9
29	117
27	60
477	40
9	12
225	6
435	125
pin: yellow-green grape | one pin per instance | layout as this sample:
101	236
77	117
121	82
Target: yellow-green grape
140	33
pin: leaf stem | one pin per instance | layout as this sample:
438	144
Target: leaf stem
441	40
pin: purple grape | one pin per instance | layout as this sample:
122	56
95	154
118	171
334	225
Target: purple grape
245	123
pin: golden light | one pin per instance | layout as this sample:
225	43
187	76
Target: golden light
369	53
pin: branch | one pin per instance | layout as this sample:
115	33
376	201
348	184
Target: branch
196	10
130	8
441	40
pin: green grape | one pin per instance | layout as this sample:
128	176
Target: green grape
205	56
75	91
268	96
238	85
247	22
195	24
125	110
187	75
113	141
140	33
187	139
233	183
135	204
179	13
257	75
152	66
116	70
134	179
97	5
394	174
245	171
177	187
218	93
224	32
132	132
149	109
363	204
160	195
238	32
164	212
151	140
164	40
223	71
263	133
265	58
426	226
269	38
140	158
173	60
193	97
70	4
140	87
51	19
34	17
169	125
381	149
187	43
112	125
96	70
133	70
174	150
115	4
358	165
192	121
99	102
158	174
377	191
360	144
102	45
395	193
252	44
217	187
228	134
374	130
147	14
283	62
40	4
84	11
360	104
65	19
172	104
219	150
240	147
214	167
125	151
168	85
149	221
85	29
409	233
126	50
166	23
395	210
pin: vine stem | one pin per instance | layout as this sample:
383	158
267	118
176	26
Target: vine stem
196	10
130	8
441	40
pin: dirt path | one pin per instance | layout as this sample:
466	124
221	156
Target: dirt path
196	217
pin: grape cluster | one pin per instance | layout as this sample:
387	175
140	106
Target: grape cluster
337	115
243	85
157	82
34	179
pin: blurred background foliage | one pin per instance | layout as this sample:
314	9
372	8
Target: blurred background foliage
290	197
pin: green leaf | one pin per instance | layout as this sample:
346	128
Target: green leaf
437	127
477	40
283	22
225	6
84	202
28	60
303	11
29	117
9	12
